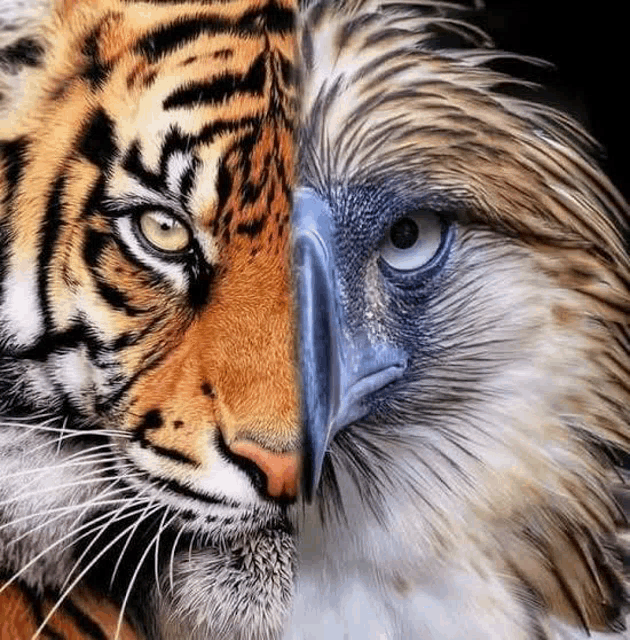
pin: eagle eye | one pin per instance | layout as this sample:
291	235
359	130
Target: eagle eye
404	233
412	241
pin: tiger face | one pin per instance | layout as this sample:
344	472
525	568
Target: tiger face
146	308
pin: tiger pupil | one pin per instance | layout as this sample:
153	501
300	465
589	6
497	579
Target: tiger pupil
404	233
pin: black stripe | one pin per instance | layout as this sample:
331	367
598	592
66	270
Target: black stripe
96	71
134	165
224	189
152	419
243	148
128	339
175	487
172	454
94	201
171	36
75	336
15	155
220	127
253	228
176	141
271	18
285	185
288	71
49	235
23	52
222	87
97	140
188	181
50	343
153	359
251	191
253	471
116	298
78	334
93	247
201	276
86	624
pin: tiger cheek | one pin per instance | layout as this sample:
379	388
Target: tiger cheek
230	378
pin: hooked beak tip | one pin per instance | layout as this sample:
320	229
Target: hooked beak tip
340	370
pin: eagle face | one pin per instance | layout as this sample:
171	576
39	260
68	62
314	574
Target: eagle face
462	286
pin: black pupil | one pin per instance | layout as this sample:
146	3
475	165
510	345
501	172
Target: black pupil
404	233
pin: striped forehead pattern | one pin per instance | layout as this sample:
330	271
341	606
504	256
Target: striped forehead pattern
187	109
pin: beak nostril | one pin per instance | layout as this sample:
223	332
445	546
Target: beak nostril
281	470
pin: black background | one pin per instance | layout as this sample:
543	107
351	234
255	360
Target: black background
588	44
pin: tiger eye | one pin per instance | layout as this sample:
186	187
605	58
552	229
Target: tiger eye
164	232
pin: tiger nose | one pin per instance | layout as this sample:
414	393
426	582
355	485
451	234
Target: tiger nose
282	470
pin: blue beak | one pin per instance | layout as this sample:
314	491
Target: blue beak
339	370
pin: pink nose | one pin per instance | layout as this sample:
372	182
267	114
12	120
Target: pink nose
282	470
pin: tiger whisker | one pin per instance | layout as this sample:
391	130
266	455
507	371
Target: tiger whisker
104	493
157	547
76	581
47	418
82	452
74	434
63	430
88	479
135	575
41	554
47	443
172	559
70	432
98	470
66	464
62	510
103	527
190	546
100	529
85	506
124	549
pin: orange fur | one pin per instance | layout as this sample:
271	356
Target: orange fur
17	621
213	363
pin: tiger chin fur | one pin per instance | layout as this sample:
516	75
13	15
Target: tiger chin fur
148	423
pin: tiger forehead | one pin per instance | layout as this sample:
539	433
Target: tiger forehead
241	187
219	145
236	185
101	35
253	187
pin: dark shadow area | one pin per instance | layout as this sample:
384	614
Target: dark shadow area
588	44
